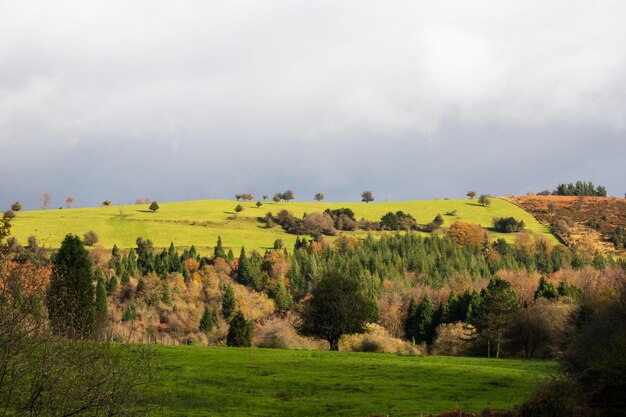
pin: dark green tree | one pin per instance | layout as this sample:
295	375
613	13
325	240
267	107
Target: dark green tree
424	321
219	249
338	305
410	324
154	206
243	269
545	289
70	297
283	298
208	320
494	314
228	302
239	331
101	305
367	196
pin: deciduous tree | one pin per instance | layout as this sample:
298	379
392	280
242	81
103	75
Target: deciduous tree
154	206
367	196
338	305
46	200
319	197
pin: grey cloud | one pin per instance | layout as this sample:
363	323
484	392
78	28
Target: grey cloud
411	99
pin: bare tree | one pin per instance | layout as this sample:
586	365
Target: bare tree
69	201
46	200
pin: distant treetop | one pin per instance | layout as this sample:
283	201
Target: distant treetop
581	188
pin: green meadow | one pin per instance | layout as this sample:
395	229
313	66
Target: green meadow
200	222
217	381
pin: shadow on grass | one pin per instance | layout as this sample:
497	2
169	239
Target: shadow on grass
145	211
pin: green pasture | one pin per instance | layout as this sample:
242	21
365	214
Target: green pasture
200	222
217	381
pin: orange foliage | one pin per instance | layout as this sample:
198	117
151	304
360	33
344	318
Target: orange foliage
467	234
32	279
192	265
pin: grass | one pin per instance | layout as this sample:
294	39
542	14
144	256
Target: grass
200	222
216	381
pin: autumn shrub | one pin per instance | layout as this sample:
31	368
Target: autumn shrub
451	339
378	340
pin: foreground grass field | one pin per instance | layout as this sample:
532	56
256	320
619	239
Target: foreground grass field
200	222
211	381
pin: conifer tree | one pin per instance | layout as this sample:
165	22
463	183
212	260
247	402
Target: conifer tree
208	320
219	249
228	302
283	298
101	305
112	285
70	297
243	269
239	332
545	289
410	324
424	321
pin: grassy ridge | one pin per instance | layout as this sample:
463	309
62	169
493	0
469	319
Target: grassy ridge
210	381
200	222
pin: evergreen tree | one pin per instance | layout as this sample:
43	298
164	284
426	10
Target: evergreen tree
208	320
166	296
424	321
219	249
112	286
125	278
230	257
70	296
545	289
410	324
101	305
283	298
228	302
239	331
243	269
499	302
154	206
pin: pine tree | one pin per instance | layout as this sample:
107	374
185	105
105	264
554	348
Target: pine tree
112	285
219	249
283	298
208	320
101	306
424	321
70	297
243	269
545	289
228	302
239	332
410	324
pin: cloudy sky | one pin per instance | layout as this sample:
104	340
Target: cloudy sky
411	99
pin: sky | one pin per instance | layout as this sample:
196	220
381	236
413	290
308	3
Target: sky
190	100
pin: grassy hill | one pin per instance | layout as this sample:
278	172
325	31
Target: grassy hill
200	222
207	381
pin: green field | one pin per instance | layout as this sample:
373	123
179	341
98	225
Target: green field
200	222
214	381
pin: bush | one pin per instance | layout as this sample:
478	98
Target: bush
378	340
508	224
90	238
451	339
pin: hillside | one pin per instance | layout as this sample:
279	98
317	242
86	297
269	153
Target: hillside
590	219
203	381
200	222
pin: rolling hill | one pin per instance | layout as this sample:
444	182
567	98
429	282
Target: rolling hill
200	222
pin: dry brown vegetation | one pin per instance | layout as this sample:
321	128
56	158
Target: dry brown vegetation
590	220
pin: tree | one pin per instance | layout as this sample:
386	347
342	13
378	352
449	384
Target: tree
154	206
319	197
106	203
466	234
69	201
338	305
495	312
238	209
484	199
277	197
288	195
70	296
424	321
265	197
101	305
545	290
471	194
410	324
219	251
367	196
259	204
228	302
90	238
9	214
238	197
239	331
208	320
17	206
508	224
46	200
